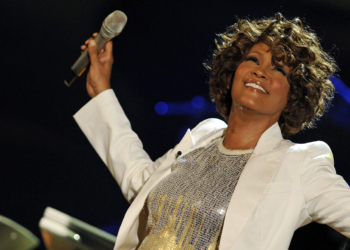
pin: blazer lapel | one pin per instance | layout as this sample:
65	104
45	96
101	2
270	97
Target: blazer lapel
126	238
255	177
184	145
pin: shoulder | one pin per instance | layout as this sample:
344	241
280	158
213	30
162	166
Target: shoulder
304	159
313	148
313	154
207	128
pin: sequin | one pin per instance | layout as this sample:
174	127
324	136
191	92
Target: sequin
187	208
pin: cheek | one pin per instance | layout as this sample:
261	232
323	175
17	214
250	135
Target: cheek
239	74
283	91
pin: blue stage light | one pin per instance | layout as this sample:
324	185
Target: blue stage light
341	88
197	106
161	108
198	102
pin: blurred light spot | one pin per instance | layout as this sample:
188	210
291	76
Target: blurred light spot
13	236
221	211
161	108
198	102
76	236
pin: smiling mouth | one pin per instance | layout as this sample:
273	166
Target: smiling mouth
255	86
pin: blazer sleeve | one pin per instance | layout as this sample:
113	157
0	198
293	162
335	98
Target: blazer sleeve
327	195
109	131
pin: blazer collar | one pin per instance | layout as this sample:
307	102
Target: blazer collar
269	140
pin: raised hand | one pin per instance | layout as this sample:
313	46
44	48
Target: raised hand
99	75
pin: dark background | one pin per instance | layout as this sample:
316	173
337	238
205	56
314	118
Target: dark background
46	159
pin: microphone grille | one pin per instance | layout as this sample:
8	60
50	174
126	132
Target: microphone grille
114	24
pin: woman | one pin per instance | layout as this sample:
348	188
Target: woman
235	186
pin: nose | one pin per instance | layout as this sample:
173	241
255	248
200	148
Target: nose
259	72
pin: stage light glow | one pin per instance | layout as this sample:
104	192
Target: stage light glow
161	108
198	105
198	102
341	88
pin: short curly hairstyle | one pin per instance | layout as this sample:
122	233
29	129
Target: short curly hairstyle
291	44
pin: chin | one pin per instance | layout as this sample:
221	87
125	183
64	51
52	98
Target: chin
241	106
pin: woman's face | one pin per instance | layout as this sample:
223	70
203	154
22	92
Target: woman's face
260	86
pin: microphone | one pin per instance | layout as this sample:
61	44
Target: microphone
111	27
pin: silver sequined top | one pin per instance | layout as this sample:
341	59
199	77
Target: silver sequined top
187	208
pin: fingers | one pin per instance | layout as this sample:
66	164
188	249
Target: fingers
109	47
94	35
93	51
109	53
105	55
83	47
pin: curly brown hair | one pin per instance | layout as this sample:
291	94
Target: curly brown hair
291	44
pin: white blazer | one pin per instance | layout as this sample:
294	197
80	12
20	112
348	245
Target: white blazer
283	186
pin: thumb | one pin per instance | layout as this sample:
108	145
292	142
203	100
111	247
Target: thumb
93	51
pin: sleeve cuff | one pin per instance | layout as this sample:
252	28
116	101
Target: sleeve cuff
102	99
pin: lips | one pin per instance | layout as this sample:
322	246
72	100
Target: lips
255	86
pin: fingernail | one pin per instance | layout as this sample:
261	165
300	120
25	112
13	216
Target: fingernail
92	43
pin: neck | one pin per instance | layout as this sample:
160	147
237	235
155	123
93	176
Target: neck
245	128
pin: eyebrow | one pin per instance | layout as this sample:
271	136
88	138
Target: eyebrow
258	52
285	67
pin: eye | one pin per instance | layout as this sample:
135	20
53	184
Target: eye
281	70
253	59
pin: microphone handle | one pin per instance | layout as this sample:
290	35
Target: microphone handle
83	61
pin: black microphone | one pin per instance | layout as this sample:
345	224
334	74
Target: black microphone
111	27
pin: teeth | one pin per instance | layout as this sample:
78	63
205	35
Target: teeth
256	86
